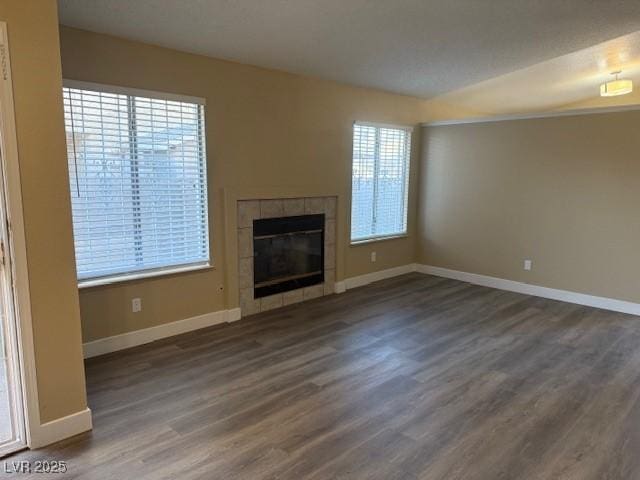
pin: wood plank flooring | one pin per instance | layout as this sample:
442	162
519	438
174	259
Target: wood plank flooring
415	377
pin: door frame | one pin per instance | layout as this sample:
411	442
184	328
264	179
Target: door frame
12	233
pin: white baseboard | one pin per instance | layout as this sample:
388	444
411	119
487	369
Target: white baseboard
148	335
234	315
61	428
605	303
368	278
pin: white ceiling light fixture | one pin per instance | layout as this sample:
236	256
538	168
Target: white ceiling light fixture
616	87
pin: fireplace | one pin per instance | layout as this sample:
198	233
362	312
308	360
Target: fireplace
288	253
296	249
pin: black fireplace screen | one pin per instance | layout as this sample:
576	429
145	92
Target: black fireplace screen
288	253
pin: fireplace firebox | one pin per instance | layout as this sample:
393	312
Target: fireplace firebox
288	253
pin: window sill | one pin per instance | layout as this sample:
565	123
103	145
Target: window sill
162	272
355	243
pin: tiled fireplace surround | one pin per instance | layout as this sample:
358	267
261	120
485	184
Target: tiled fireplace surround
250	210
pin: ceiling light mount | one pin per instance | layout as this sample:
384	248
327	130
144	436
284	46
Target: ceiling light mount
616	87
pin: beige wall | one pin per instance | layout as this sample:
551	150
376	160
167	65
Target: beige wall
269	134
35	60
560	191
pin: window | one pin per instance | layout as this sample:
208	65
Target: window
138	181
380	181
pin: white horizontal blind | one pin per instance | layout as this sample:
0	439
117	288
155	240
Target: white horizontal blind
380	181
138	182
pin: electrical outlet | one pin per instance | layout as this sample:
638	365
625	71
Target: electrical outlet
136	305
527	265
373	256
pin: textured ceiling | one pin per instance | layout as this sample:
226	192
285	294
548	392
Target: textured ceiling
570	81
417	47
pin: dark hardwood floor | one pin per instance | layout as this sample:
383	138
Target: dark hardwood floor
415	377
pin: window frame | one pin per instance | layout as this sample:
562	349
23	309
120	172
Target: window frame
169	269
391	236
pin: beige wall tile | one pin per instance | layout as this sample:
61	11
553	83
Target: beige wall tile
314	205
245	272
271	208
293	207
245	242
330	256
329	281
330	207
330	275
248	211
270	302
248	305
313	292
329	232
293	296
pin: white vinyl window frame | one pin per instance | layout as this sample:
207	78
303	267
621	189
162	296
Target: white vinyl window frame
163	270
400	233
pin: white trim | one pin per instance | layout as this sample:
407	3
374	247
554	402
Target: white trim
362	280
148	335
535	290
408	128
11	447
529	116
156	272
368	278
60	428
138	92
17	255
233	315
378	238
